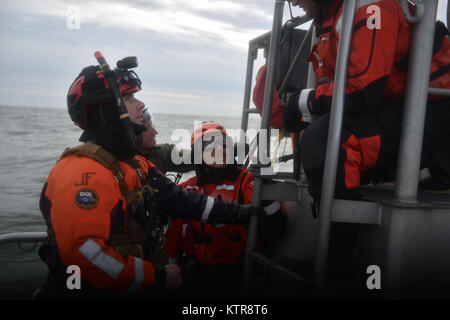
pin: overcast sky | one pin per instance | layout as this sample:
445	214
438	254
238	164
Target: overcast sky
192	53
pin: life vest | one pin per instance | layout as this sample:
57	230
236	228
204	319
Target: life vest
129	243
110	162
208	244
89	220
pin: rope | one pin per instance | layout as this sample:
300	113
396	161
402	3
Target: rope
277	146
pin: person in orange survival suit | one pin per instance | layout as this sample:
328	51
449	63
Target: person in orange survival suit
214	253
375	92
100	201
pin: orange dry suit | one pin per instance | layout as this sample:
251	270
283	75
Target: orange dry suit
209	244
89	205
375	89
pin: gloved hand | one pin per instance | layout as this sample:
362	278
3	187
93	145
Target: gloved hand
245	211
292	117
231	213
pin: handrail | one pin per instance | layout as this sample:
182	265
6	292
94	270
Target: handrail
23	237
250	110
334	137
265	123
439	92
413	124
246	110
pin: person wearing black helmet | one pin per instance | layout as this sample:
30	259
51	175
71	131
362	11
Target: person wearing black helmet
102	203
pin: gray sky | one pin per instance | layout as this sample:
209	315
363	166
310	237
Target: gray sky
192	53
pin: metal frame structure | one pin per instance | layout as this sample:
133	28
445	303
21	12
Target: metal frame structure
265	125
408	167
260	192
334	141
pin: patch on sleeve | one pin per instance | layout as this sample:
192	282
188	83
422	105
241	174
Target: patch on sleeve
86	199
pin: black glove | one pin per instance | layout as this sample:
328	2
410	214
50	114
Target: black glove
292	117
244	212
231	213
160	281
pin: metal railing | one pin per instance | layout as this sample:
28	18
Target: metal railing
23	237
255	44
439	91
413	124
333	143
265	124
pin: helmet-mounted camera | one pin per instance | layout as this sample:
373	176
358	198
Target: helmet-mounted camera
127	63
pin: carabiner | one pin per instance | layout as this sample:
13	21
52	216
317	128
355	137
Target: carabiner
420	10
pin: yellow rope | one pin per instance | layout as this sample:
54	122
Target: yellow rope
277	145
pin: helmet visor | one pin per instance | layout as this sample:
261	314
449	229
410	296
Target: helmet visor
128	81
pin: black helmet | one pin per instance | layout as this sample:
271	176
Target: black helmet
90	91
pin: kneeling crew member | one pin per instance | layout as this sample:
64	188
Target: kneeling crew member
214	253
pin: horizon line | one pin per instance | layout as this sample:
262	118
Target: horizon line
163	113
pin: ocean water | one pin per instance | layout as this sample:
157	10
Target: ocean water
32	140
